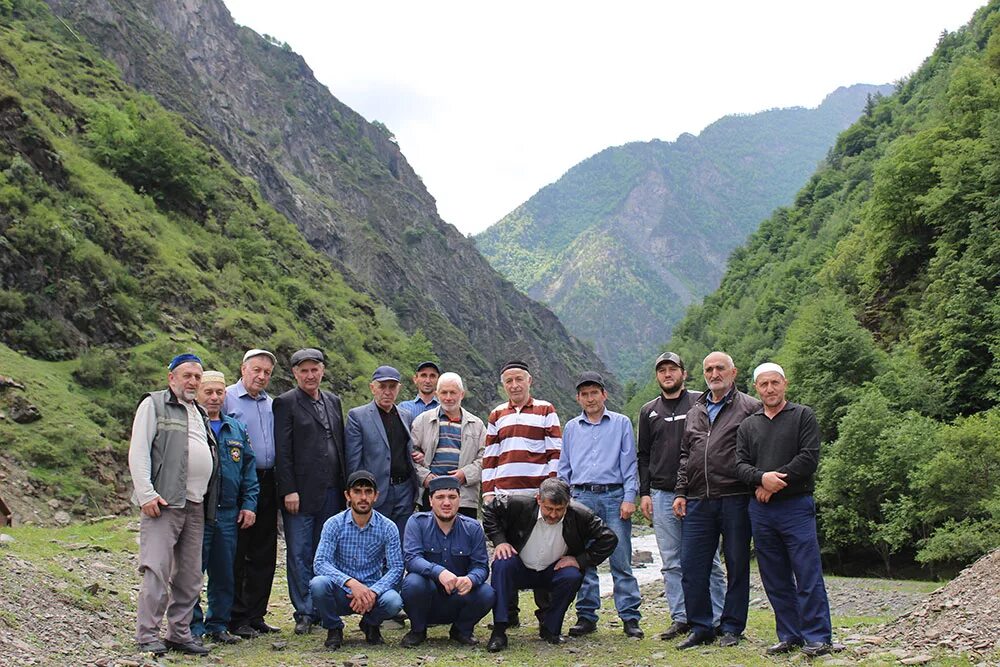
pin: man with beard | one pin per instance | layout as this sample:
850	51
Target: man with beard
358	565
309	437
175	474
661	429
445	555
425	379
257	546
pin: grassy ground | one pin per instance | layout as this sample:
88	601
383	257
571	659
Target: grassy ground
68	561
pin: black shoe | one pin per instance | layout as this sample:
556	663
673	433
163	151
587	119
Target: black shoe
224	638
729	639
464	640
262	627
304	627
413	639
631	629
695	639
498	641
373	634
782	647
584	626
246	632
156	647
551	637
813	649
512	622
676	629
334	638
191	648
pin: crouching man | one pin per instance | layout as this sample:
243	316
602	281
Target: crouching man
546	543
445	555
358	565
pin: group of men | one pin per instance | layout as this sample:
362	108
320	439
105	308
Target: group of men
379	511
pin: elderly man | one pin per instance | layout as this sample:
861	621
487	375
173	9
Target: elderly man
358	565
661	429
445	555
713	501
256	546
309	473
175	475
425	379
236	510
378	440
451	441
777	451
545	542
598	462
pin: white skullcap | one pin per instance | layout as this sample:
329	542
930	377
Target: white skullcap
213	376
768	367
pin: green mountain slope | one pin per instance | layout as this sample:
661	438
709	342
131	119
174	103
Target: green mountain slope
878	292
342	180
627	239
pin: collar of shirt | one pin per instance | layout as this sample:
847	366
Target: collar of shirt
584	420
241	391
432	402
541	518
388	413
443	416
528	404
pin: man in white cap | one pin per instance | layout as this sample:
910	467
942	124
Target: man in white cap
777	451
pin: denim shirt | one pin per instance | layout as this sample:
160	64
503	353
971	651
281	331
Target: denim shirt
427	551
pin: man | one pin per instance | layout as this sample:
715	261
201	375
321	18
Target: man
358	565
175	478
235	510
452	441
445	555
661	429
378	440
309	473
546	543
777	449
713	501
257	545
598	462
425	379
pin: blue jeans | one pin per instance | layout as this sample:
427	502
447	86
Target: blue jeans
669	530
302	532
218	552
608	505
427	604
784	535
332	602
706	520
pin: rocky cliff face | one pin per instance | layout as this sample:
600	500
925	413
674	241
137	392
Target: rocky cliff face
627	239
341	180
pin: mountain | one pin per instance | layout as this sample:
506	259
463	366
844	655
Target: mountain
878	290
627	239
341	180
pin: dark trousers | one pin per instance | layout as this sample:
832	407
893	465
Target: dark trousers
218	549
426	603
256	556
302	533
706	520
784	537
510	575
397	505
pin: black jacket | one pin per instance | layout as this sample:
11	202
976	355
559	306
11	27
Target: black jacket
302	464
661	430
708	451
511	519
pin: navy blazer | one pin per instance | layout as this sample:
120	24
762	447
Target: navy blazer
302	463
367	447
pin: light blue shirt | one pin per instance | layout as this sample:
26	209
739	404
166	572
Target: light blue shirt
257	415
601	453
417	407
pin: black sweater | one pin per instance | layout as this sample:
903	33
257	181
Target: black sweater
661	429
788	443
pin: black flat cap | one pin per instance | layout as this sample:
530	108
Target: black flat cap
361	476
307	354
590	377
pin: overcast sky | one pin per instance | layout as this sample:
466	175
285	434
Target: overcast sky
490	103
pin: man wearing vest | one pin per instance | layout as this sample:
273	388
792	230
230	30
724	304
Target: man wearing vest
175	474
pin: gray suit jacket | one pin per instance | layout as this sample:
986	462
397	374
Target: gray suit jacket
366	447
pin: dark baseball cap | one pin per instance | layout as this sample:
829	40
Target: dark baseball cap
428	364
669	357
385	374
359	476
307	354
590	377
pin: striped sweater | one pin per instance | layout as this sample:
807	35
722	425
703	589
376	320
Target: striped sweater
522	447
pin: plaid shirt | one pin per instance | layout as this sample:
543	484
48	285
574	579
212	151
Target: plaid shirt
371	555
